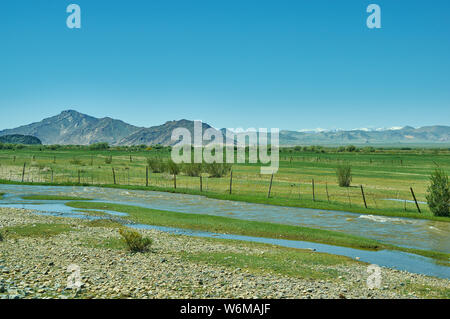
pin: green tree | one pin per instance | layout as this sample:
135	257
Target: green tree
344	175
438	193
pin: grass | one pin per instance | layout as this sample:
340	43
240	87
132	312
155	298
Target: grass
1	195
227	225
107	223
220	224
36	230
387	173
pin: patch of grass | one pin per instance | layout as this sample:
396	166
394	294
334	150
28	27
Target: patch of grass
1	195
107	223
232	226
426	291
109	243
53	197
36	230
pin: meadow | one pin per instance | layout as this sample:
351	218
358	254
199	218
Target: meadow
306	178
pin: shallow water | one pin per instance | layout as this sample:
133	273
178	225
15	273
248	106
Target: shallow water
406	232
387	258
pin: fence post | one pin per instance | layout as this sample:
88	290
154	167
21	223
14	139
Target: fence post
146	176
79	180
23	172
313	194
328	196
364	197
114	175
175	181
52	174
415	200
270	186
299	190
201	184
231	181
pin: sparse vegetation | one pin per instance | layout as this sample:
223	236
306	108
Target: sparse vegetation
217	169
192	169
134	240
156	165
438	193
344	175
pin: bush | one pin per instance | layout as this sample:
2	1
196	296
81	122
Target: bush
156	165
75	161
1	237
438	193
134	240
344	175
108	160
99	146
217	169
173	168
192	169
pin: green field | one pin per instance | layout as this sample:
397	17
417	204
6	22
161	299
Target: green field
383	174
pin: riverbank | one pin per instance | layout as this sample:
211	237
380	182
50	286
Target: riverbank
181	267
257	199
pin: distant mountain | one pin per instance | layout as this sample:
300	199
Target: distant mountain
406	135
72	127
20	139
162	134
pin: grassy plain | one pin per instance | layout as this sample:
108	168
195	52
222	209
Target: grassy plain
384	174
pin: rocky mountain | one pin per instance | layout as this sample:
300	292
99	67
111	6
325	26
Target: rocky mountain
406	136
162	134
20	139
72	127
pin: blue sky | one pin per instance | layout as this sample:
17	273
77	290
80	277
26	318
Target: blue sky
232	63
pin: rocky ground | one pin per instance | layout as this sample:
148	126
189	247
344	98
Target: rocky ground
35	267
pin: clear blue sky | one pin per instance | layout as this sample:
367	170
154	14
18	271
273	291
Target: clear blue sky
232	63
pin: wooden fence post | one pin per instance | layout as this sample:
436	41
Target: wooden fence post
415	200
146	176
270	186
299	190
328	196
79	179
201	184
23	172
364	197
313	194
231	181
175	181
114	175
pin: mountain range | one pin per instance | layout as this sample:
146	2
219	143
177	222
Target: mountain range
73	128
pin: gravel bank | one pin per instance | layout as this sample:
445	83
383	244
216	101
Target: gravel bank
37	268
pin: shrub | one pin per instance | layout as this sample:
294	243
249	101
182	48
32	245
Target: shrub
1	237
344	175
173	168
351	148
99	146
108	160
217	169
75	161
134	240
192	169
156	165
438	193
